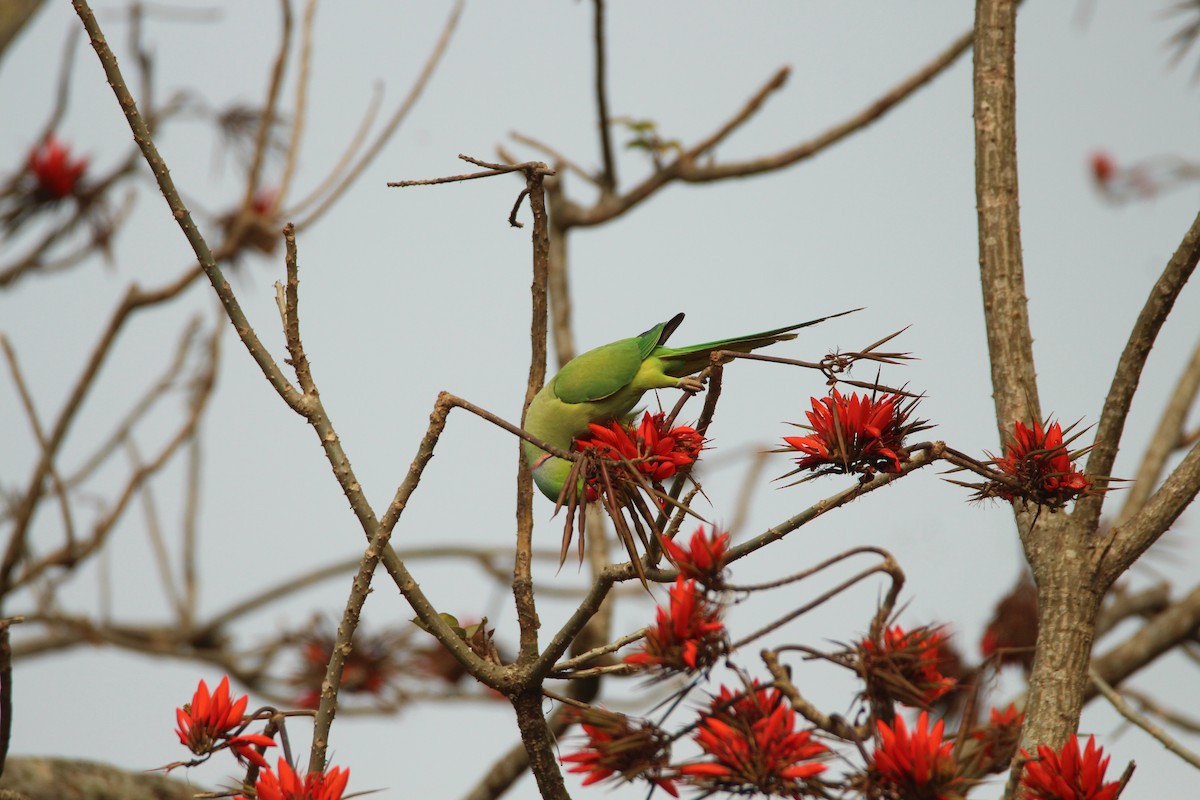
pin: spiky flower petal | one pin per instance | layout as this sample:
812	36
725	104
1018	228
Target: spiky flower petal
212	722
1069	774
620	748
917	765
1040	468
285	783
703	559
751	745
903	666
855	434
688	634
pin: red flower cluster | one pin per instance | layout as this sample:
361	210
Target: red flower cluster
688	634
917	766
1038	460
55	173
371	664
704	559
904	666
1069	774
1011	634
990	749
212	722
752	745
618	747
854	434
285	784
655	450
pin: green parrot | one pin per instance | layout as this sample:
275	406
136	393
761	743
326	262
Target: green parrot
606	383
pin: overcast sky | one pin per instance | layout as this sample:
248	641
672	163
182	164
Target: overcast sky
407	292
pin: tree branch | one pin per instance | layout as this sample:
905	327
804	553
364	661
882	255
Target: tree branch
1133	359
1006	312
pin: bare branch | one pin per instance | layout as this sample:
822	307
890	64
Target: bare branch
270	108
1006	312
1166	439
608	175
303	81
1142	721
1133	359
687	166
1128	541
1160	635
398	117
40	437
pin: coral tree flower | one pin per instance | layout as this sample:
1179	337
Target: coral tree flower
1103	168
1069	774
917	765
854	434
658	452
751	743
688	634
56	173
369	668
904	666
618	747
704	559
990	749
1038	461
1011	635
285	784
206	724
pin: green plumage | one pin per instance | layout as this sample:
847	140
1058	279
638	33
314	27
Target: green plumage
605	384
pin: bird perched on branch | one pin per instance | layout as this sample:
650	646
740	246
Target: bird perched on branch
606	383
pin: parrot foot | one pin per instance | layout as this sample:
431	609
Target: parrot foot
691	384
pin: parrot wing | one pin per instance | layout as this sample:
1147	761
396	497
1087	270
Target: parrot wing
608	369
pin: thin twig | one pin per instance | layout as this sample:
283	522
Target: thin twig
270	108
303	81
888	567
1166	439
691	167
608	175
154	532
1159	303
1142	721
40	436
398	117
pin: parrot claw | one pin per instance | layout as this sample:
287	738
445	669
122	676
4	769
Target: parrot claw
691	384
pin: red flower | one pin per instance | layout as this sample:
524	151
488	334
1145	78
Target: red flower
266	201
285	784
617	746
1038	459
704	559
904	667
855	434
206	723
919	766
990	749
753	745
1011	635
688	634
56	174
1068	774
656	451
1104	168
369	668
